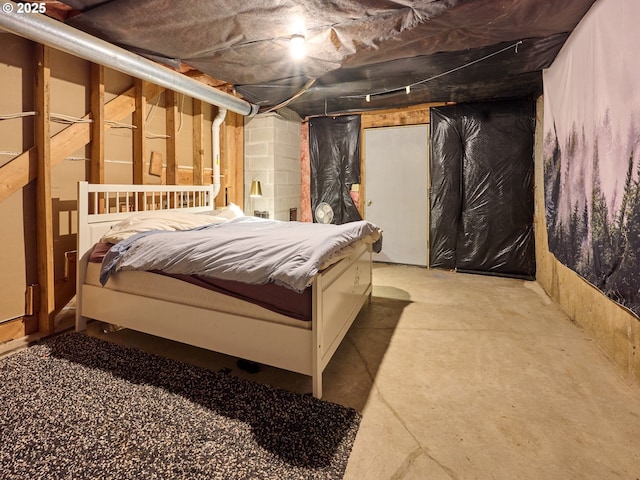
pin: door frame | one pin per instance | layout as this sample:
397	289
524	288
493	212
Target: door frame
415	115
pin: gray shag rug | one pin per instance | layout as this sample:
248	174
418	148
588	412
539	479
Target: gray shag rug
76	407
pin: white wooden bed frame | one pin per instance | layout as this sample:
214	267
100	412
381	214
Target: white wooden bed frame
338	293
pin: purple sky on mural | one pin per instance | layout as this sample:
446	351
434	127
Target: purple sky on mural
594	59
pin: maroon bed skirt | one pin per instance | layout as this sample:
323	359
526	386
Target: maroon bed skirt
271	296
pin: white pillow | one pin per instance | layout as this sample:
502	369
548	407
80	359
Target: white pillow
158	220
229	212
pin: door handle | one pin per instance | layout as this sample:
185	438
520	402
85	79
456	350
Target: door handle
369	202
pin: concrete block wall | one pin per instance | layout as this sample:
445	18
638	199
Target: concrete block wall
259	134
272	156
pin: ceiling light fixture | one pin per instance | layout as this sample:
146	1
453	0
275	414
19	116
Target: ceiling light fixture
297	46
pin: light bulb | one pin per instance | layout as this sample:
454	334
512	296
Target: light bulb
298	47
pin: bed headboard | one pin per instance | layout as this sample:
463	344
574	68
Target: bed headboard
102	205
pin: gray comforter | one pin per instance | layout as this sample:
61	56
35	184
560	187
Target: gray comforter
246	249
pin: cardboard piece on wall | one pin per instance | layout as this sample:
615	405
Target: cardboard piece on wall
155	164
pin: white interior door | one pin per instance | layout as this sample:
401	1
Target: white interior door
396	176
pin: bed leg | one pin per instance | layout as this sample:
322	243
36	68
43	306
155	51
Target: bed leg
81	323
316	381
317	327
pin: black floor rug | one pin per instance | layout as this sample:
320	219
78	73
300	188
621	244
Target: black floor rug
77	407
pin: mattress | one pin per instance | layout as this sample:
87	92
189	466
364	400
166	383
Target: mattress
271	296
163	287
245	249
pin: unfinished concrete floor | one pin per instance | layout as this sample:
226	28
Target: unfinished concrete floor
465	377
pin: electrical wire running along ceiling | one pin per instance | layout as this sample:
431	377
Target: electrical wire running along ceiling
360	55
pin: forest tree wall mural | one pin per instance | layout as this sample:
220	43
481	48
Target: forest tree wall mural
592	152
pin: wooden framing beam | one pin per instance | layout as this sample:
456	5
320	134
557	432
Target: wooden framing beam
232	160
18	328
171	128
96	165
44	209
17	173
413	115
198	142
139	139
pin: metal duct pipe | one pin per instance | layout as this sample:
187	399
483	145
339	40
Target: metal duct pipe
215	149
45	30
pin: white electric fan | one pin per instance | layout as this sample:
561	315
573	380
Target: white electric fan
324	213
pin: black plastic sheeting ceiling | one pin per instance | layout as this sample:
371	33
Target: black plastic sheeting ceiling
354	48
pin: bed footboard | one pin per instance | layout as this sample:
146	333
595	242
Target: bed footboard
339	294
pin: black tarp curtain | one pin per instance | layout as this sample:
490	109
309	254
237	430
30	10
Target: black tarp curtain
481	172
482	188
334	152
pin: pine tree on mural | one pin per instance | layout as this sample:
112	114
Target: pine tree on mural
574	237
552	166
600	234
623	286
584	257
